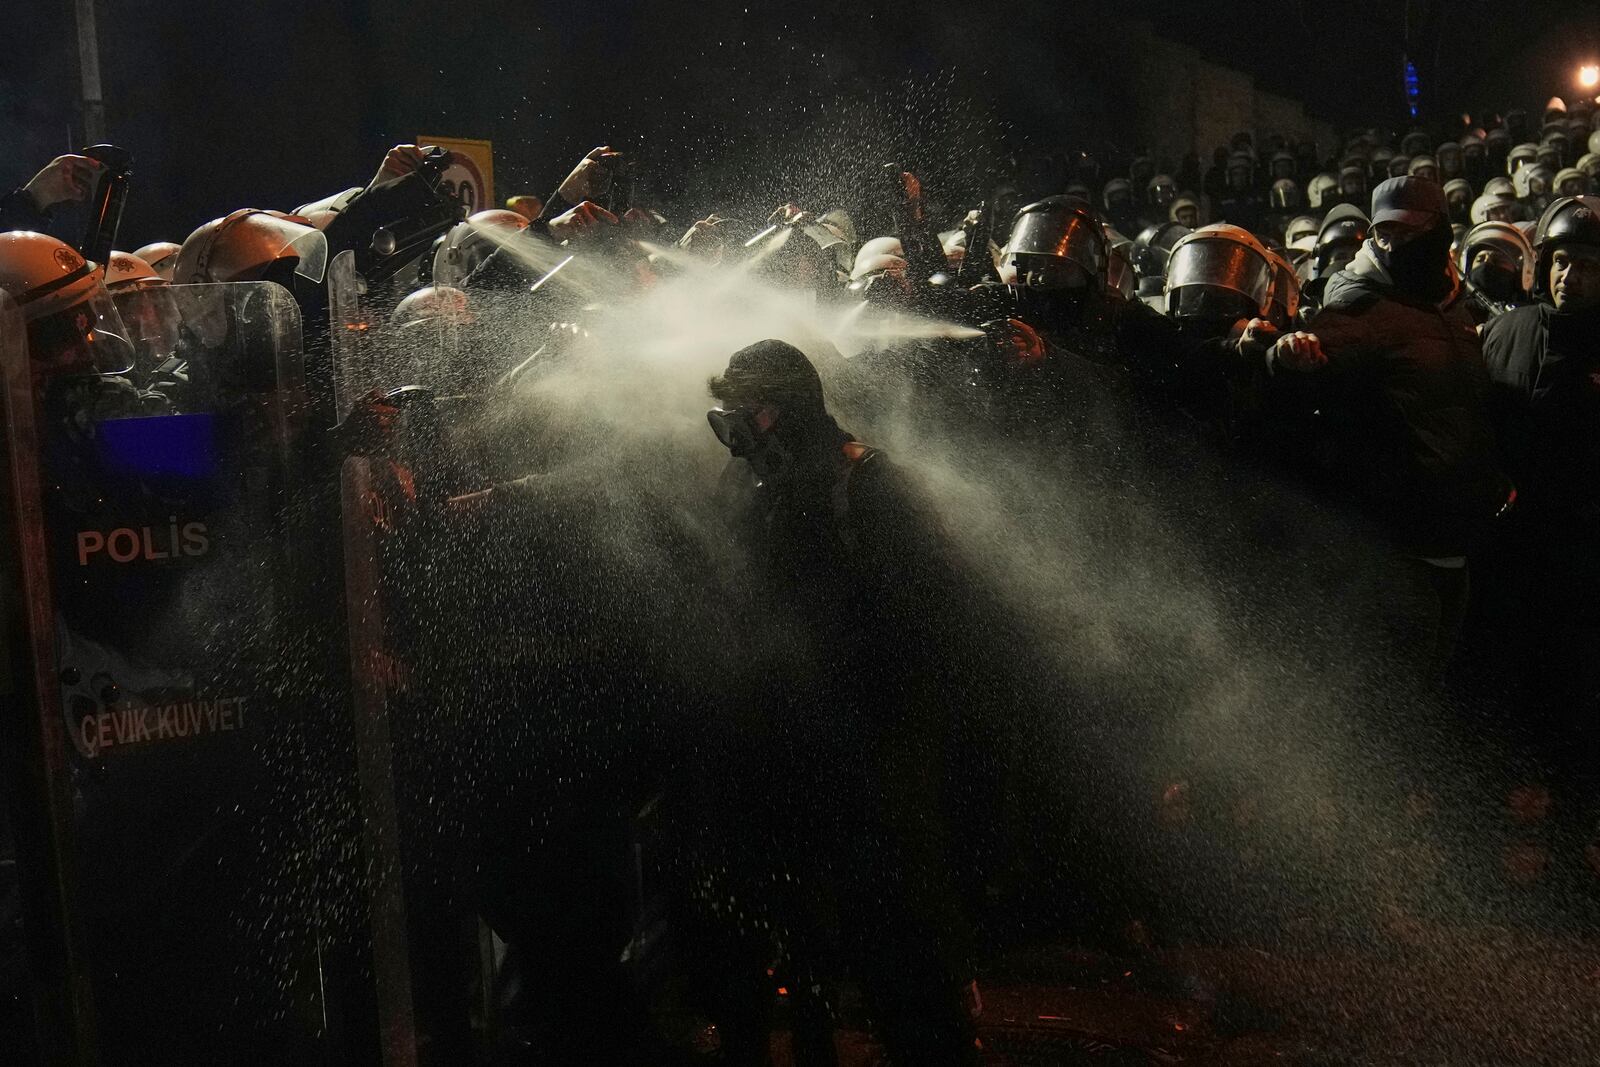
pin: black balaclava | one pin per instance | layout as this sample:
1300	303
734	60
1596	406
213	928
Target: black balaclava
1497	281
1421	268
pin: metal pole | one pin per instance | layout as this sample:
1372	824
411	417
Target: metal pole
94	108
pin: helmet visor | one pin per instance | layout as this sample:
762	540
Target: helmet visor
1062	233
87	337
1222	265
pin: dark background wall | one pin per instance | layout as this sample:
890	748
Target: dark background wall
277	102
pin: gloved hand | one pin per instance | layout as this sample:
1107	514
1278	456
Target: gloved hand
591	178
400	160
586	218
65	179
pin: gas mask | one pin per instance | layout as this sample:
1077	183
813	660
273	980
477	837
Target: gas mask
747	434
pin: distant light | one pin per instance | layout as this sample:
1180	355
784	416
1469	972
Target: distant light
1589	76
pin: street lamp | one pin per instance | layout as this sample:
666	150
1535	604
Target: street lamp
1589	75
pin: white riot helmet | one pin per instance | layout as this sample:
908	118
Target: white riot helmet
1523	155
1500	186
73	325
126	272
1504	237
1219	270
162	255
1489	208
1299	228
1320	189
247	245
1530	182
469	243
879	255
1570	181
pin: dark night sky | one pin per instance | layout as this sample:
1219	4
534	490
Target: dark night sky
275	103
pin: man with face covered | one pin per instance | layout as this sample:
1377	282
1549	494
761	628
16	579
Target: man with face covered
842	560
1393	368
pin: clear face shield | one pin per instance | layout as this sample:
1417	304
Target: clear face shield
88	337
1219	266
1065	238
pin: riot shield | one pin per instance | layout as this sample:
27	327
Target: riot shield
166	672
372	351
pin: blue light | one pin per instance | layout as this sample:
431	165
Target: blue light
182	446
1413	90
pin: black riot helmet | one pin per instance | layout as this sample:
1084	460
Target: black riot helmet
1574	220
1153	247
1056	240
1342	233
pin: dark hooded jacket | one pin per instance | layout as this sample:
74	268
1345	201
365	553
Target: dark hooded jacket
1545	365
1400	412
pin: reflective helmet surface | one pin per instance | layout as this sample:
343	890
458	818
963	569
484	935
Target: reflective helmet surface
162	255
1502	237
244	245
1570	220
73	326
127	271
1221	258
1064	229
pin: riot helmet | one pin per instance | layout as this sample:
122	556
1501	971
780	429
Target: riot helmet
1299	227
1219	272
1399	166
1571	181
1240	172
878	256
469	243
1153	248
1340	237
1497	260
1423	167
252	245
1458	198
1353	183
1414	143
1448	157
1572	221
1185	211
1283	166
72	323
162	255
1284	301
1161	191
1057	243
1140	171
1523	155
1321	191
1117	195
1532	183
1285	195
126	272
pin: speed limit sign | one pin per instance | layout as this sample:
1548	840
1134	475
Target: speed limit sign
470	175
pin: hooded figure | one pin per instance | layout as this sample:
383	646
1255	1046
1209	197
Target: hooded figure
1402	392
836	548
